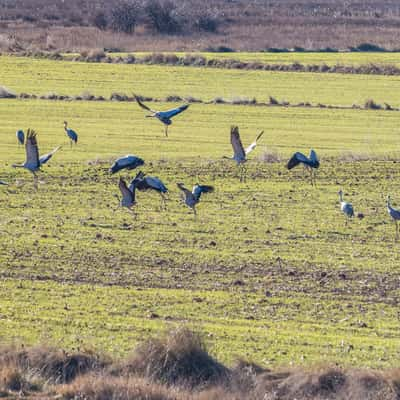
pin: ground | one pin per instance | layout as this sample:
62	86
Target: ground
270	271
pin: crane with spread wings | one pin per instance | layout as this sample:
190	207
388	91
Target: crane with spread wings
33	162
239	152
163	116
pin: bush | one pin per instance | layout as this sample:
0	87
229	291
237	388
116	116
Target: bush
367	47
163	17
207	23
371	105
124	17
6	93
100	21
220	49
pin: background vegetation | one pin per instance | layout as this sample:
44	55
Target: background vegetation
189	25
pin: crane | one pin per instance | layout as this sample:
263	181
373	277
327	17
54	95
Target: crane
71	133
128	195
239	153
163	116
129	162
395	214
311	163
20	136
33	162
142	183
345	207
191	198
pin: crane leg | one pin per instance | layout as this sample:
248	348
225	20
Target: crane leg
195	213
133	213
35	181
166	130
163	202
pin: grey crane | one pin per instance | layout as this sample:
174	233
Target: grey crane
163	116
128	195
144	183
191	198
33	162
395	214
345	207
310	163
239	152
73	136
129	162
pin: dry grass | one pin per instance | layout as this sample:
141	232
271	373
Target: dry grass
178	366
242	25
178	358
104	387
270	156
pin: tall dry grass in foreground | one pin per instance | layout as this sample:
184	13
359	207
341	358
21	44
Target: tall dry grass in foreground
178	366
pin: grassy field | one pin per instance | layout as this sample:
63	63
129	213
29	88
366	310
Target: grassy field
269	271
46	76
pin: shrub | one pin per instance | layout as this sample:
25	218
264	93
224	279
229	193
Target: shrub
163	17
100	21
207	23
273	101
95	55
371	105
220	49
367	47
124	17
6	93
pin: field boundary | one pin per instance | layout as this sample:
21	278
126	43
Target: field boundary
243	101
191	60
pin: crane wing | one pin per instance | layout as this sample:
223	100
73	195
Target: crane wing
127	195
296	159
199	189
187	192
314	157
46	157
136	181
174	111
152	182
32	150
254	144
237	143
143	105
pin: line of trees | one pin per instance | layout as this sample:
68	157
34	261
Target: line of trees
161	16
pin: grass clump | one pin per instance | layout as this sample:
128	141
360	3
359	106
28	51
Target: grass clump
179	358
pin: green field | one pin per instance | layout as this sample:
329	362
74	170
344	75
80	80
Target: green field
72	78
269	271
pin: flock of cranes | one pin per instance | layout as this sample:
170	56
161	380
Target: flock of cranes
142	182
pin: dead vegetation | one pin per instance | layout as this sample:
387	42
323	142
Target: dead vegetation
191	25
173	98
178	366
